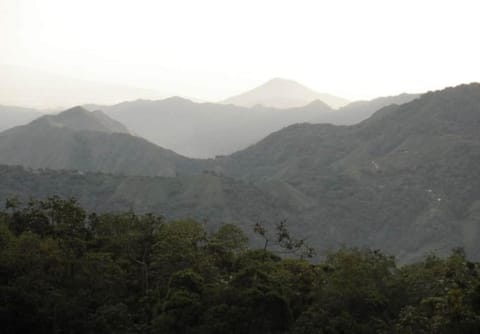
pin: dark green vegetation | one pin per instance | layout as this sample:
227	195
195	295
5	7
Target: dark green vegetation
208	198
65	271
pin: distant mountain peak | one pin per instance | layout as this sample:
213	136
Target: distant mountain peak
285	85
282	94
177	99
74	110
318	104
80	119
280	81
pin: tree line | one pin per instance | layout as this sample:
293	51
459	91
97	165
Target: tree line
63	270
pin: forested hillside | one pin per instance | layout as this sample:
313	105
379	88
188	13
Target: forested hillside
405	180
152	181
208	198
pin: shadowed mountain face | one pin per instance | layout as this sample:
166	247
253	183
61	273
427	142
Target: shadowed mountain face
406	180
87	141
451	113
283	94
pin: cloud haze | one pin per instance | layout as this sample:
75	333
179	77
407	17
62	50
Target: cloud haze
215	49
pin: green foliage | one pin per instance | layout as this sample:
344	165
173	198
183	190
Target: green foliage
64	271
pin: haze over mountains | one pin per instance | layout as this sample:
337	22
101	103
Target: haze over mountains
26	87
405	180
80	119
87	141
205	130
11	116
32	88
282	94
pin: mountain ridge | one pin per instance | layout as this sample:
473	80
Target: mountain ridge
87	141
80	119
205	130
403	180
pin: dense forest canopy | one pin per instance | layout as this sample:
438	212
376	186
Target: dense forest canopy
63	270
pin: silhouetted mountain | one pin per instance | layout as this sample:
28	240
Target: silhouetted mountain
204	130
282	94
13	116
87	141
80	119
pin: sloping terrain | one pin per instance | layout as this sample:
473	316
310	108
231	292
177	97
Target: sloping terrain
80	119
208	198
78	139
205	130
404	180
14	116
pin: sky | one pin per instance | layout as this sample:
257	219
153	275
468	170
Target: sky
212	49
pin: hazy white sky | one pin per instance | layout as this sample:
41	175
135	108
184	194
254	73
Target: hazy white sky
211	49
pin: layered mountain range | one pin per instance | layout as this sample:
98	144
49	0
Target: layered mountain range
205	130
87	141
405	180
